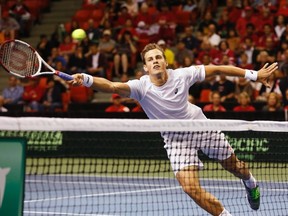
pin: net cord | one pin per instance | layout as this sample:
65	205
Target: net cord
137	125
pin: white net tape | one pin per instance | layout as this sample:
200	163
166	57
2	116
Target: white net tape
140	125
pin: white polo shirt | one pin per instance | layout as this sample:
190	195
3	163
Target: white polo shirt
169	101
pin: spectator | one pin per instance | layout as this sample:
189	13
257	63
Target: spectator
215	106
77	61
250	33
55	57
268	33
212	35
205	22
273	103
244	103
32	96
243	62
190	5
180	54
279	26
2	108
123	15
263	91
283	46
52	98
234	11
249	49
92	32
12	94
9	27
107	45
96	61
67	47
191	42
233	40
125	52
224	50
44	47
262	58
249	17
226	88
206	49
243	85
117	105
144	16
225	24
23	16
137	108
169	54
132	7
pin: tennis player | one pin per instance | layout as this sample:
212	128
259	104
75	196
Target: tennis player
163	94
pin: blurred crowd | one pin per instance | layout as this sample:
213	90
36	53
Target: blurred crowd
244	33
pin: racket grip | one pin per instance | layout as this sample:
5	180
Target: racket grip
64	76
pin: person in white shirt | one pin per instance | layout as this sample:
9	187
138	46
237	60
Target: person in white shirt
163	94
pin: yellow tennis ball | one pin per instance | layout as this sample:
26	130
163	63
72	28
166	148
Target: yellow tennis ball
78	34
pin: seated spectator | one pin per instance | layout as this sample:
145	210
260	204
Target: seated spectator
169	54
226	88
279	26
67	47
96	61
125	54
191	42
215	106
12	94
55	57
132	7
93	33
243	85
32	96
262	91
225	24
9	27
23	16
44	47
243	61
77	61
190	5
117	105
212	35
107	45
137	108
244	103
2	108
52	98
224	50
144	15
273	103
180	54
233	40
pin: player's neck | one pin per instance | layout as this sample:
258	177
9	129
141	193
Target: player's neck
159	79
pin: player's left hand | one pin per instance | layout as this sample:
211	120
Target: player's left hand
265	72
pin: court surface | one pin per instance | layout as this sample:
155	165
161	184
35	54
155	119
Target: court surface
95	195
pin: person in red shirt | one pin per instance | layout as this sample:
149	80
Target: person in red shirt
117	105
215	106
244	103
32	96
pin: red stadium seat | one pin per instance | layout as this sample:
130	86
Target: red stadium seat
82	15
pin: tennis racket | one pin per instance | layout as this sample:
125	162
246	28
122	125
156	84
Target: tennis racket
22	60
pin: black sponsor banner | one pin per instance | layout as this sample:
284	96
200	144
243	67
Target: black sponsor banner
248	145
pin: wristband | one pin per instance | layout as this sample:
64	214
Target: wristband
251	75
87	80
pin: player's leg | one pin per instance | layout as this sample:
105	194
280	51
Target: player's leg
240	169
189	180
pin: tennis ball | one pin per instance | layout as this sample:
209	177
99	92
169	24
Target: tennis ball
78	34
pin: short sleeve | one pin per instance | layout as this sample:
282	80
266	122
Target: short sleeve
135	88
193	74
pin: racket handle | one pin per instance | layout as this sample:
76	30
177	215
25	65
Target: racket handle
64	76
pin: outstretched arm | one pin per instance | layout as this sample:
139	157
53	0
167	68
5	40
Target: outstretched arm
261	76
101	84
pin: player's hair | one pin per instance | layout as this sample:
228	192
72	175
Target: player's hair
149	47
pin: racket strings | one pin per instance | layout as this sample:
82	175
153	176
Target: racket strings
19	58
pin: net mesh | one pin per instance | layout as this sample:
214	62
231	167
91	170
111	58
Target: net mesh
19	58
120	167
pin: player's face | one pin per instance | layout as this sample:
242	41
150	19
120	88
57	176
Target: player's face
155	62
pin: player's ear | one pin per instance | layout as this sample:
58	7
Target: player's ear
145	68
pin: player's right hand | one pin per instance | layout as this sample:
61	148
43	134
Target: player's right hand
77	80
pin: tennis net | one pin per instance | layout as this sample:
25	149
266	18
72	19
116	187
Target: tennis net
119	166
